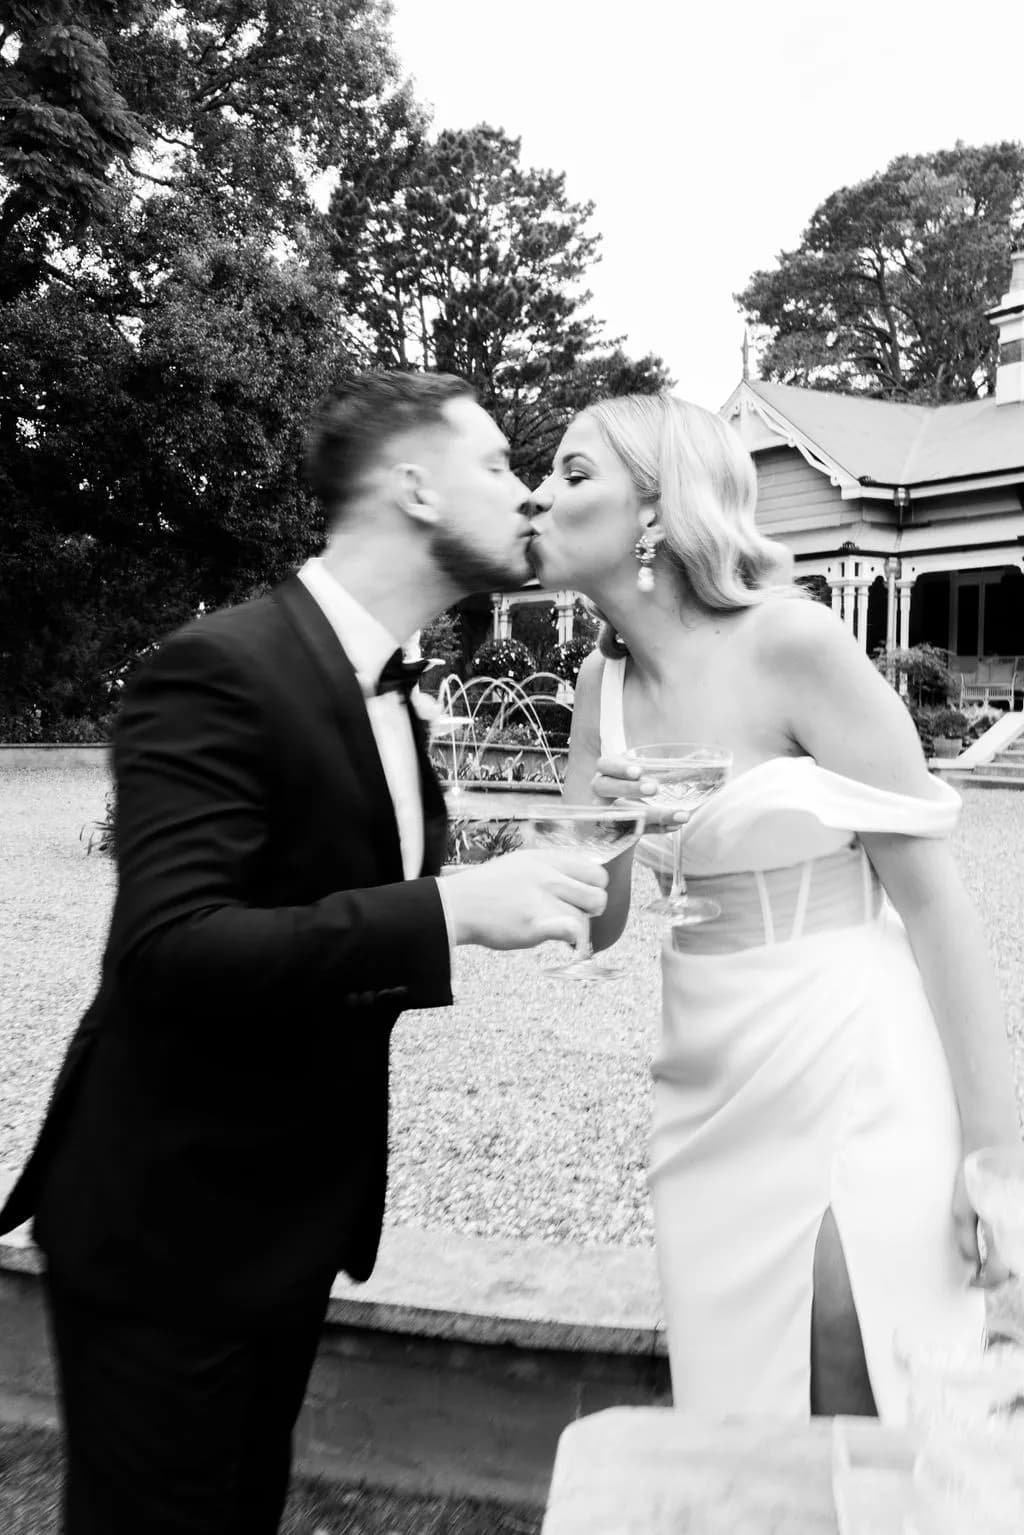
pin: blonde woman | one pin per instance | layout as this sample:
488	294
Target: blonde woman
832	1045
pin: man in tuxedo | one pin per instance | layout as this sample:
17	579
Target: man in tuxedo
216	1146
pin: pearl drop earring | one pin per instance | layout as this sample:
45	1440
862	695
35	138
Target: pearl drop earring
645	548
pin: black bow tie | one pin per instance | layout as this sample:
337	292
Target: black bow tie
399	675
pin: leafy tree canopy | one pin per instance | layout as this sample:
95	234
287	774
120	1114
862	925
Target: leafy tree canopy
167	316
886	293
453	255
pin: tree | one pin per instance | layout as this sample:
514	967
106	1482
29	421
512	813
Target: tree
162	472
166	314
886	293
65	125
455	256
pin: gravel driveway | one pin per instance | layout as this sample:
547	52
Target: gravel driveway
520	1112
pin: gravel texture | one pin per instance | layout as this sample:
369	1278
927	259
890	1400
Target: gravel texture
520	1112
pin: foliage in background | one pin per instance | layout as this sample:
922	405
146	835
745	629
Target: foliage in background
929	680
940	721
455	256
503	658
566	659
167	314
442	639
102	835
887	291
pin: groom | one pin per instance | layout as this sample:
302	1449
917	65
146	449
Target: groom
216	1146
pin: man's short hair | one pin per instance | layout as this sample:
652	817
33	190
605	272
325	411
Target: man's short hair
360	414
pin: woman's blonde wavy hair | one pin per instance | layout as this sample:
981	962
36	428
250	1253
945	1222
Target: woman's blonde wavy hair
692	465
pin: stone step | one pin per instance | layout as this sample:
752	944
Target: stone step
1013	767
991	778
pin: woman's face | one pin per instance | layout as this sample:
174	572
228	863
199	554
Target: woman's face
586	514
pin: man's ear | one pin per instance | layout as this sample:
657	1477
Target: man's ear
413	493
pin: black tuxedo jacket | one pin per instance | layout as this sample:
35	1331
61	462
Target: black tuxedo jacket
217	1139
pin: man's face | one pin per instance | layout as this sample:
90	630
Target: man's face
482	534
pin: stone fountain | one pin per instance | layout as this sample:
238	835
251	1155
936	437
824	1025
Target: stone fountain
476	715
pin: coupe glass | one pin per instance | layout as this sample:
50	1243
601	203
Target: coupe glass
603	831
686	773
482	826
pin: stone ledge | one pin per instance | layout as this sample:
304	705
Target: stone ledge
456	1288
452	1371
536	1295
46	755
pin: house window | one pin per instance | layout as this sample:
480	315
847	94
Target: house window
985	613
967	623
1003	627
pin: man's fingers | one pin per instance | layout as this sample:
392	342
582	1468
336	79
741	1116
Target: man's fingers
579	867
569	927
591	899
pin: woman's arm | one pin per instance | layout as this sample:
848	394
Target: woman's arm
584	751
843	713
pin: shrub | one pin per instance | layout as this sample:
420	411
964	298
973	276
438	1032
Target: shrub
937	721
27	726
21	727
929	679
503	658
441	639
981	719
513	735
103	834
566	659
555	721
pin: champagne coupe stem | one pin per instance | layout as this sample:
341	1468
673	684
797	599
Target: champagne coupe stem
677	893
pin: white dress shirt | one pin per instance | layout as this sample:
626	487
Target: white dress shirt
368	646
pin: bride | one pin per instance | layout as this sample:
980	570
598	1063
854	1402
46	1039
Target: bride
832	1045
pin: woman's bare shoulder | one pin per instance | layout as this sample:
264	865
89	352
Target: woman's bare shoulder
798	634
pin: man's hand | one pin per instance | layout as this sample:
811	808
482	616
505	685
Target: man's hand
525	898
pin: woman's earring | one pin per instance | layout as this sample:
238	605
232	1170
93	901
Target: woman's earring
645	548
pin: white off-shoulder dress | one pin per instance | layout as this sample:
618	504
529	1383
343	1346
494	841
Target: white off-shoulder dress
799	1070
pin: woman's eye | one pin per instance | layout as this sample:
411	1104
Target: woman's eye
574	479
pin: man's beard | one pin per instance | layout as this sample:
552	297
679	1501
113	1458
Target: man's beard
475	571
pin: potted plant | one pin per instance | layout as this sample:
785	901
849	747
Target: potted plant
943	728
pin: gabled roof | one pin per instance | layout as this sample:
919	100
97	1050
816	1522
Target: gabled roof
895	444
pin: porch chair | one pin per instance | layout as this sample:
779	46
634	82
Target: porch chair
993	682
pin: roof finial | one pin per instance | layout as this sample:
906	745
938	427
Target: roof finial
745	351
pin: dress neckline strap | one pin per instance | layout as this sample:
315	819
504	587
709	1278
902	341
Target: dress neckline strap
612	721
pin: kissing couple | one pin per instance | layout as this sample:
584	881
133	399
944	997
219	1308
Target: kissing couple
831	1047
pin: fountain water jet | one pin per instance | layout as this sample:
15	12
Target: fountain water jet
475	715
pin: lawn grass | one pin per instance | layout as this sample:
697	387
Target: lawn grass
30	1478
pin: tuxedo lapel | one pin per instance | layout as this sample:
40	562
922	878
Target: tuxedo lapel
349	706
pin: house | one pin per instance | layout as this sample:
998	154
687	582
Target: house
912	514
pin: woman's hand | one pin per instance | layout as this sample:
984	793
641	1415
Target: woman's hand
990	1271
619	778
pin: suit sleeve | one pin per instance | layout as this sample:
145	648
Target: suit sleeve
193	825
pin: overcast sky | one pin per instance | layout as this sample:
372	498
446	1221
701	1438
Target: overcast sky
707	134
